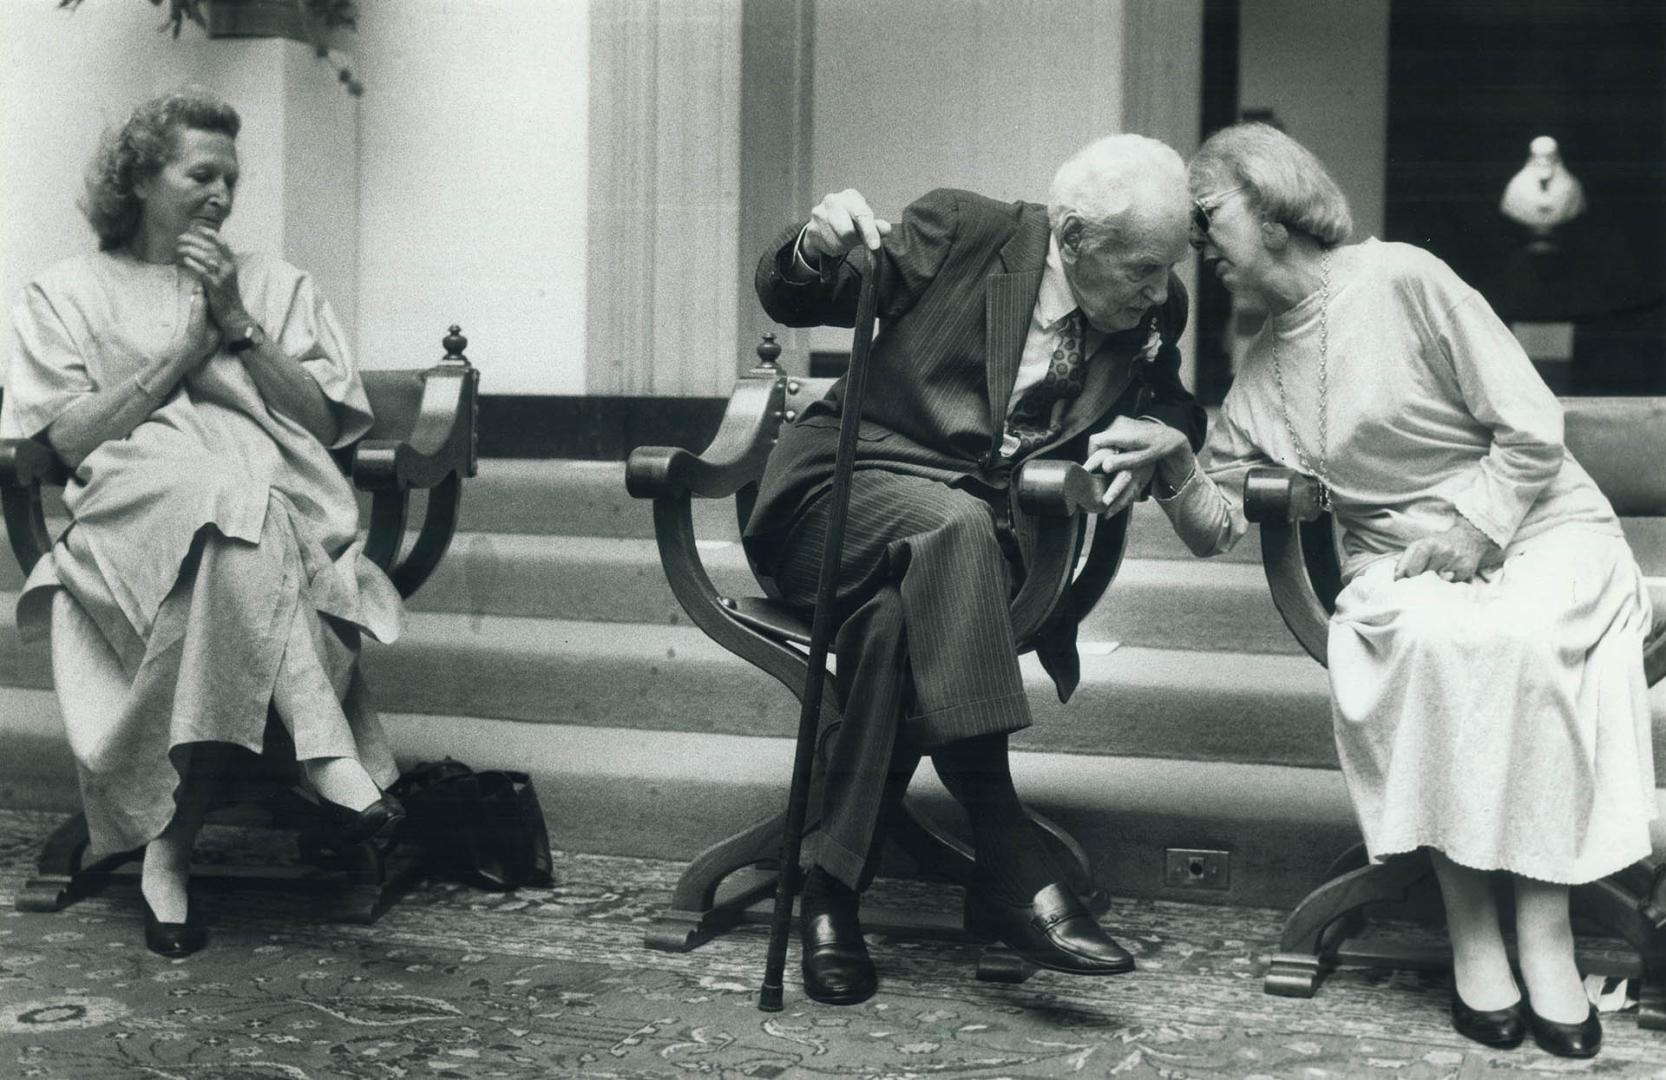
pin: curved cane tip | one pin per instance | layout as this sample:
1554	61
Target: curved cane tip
769	998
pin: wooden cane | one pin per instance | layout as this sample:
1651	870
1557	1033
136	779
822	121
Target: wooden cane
821	631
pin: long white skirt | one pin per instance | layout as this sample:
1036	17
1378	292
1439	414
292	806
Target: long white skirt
1502	721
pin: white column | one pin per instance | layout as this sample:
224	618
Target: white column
664	196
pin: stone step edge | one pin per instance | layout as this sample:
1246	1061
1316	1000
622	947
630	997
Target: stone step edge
1187	789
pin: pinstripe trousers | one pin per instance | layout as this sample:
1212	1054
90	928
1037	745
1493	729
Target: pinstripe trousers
925	653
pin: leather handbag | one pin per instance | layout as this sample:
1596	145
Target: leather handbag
484	828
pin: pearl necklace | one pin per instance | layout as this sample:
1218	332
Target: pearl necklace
1312	466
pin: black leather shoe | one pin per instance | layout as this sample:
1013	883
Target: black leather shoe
378	821
1054	930
1581	1040
837	969
1500	1028
173	939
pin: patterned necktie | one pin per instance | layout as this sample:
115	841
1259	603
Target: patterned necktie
1031	420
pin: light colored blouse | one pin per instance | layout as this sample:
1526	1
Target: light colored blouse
1434	411
212	453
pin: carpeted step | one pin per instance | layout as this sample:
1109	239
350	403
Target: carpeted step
626	791
1132	701
1212	605
588	498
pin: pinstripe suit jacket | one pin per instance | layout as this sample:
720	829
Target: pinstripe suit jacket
959	277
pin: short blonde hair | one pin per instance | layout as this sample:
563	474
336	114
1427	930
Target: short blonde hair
1106	180
1288	184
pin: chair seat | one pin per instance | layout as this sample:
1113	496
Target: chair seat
777	618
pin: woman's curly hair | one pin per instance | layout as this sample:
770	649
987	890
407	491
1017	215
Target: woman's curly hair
137	151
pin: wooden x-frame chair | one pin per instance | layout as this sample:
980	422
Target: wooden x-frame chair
733	881
1621	442
423	439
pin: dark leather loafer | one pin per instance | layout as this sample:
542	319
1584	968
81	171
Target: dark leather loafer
378	821
837	968
172	939
1054	930
1500	1028
1581	1040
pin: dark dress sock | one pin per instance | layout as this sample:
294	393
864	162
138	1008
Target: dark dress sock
1016	858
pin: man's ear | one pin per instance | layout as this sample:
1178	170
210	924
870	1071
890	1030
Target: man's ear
1274	235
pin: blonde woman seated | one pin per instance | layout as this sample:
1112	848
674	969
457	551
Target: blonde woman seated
1485	655
210	570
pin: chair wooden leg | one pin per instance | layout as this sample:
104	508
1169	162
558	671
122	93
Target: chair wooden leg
1308	946
696	914
352	886
936	851
933	849
1080	867
1611	905
58	879
1647	880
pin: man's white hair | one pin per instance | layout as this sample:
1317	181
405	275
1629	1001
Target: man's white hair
1112	181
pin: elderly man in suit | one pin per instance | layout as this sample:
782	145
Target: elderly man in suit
1009	330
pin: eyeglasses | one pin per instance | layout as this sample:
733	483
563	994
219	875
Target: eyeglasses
1201	208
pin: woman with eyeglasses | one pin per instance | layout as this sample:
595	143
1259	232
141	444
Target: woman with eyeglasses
1485	655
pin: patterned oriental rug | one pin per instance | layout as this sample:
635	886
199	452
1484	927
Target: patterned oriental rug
454	982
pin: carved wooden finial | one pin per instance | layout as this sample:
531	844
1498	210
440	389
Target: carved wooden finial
769	351
455	343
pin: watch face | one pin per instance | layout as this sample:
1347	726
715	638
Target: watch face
251	337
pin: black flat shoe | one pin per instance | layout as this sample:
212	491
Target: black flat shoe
1500	1028
378	821
173	939
1054	930
837	969
1581	1040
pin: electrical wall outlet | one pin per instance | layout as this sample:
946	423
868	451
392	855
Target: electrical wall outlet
1196	868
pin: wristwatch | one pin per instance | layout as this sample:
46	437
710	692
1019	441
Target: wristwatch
252	337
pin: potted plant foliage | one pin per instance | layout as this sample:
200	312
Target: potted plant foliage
314	22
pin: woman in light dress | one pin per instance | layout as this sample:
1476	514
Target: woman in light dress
211	571
1485	654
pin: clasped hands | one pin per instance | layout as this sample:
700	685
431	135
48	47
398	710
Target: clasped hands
201	251
1130	452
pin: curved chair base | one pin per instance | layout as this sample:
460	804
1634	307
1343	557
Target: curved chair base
733	883
1317	932
351	886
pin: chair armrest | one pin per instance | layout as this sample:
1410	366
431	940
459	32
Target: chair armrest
436	454
1297	552
1057	583
442	439
24	466
25	461
1053	488
734	458
1276	494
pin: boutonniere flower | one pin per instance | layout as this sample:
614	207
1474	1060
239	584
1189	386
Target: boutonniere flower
1153	343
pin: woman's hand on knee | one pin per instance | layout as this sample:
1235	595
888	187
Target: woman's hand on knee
1454	555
